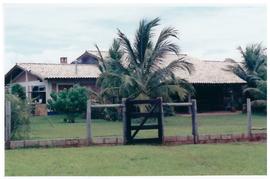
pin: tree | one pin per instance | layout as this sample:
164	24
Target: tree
253	70
134	70
20	117
71	102
18	90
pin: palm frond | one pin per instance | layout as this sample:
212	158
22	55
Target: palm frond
163	47
143	38
115	52
126	45
168	71
255	93
101	62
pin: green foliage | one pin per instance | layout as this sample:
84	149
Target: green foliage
133	70
20	117
109	114
254	71
70	101
18	90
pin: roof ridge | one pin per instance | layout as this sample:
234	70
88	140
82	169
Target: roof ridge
107	51
51	64
38	63
212	61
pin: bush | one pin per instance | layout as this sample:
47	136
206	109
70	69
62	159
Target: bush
71	102
20	117
18	90
112	114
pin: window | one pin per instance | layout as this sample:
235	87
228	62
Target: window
38	94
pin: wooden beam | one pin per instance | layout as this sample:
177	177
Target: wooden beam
189	100
106	105
7	124
249	119
26	76
88	123
145	141
194	121
161	122
124	119
145	127
176	104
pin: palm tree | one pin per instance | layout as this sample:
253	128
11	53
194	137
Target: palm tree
134	70
254	71
253	67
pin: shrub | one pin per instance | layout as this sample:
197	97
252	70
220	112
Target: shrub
71	102
112	114
18	90
20	117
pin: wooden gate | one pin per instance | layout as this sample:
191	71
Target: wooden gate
154	111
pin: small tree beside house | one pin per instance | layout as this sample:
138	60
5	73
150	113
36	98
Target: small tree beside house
71	102
18	90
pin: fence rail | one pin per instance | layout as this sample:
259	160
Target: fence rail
106	105
192	105
89	134
176	104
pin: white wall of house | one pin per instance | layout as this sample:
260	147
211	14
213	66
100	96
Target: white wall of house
48	89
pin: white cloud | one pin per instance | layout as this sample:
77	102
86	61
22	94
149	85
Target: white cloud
43	33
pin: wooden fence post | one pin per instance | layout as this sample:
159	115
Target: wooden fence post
7	124
161	133
194	121
124	119
189	107
249	119
88	123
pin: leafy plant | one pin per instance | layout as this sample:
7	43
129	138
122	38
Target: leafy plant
71	102
18	90
253	70
109	114
20	117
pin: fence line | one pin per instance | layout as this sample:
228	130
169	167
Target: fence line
89	137
192	105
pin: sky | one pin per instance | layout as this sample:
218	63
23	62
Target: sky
43	33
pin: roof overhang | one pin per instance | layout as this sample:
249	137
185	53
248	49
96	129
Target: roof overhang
20	69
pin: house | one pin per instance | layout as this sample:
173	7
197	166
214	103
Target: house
215	86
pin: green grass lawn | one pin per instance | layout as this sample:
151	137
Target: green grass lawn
52	127
207	159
